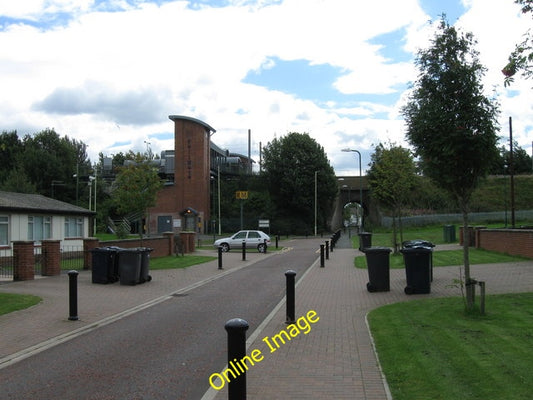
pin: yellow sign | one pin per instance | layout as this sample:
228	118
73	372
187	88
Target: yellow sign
241	194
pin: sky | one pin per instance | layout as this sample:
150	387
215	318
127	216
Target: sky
110	72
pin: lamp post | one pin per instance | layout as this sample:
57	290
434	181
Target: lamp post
316	199
360	184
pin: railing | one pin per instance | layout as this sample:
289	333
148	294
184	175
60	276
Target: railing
38	253
6	264
71	258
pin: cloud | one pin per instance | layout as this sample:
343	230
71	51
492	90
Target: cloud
92	65
128	107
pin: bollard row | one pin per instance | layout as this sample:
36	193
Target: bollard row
236	329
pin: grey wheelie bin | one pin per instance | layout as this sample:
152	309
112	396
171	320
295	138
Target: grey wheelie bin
145	264
103	265
417	269
420	243
365	240
378	263
129	266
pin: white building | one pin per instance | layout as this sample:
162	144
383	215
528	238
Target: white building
35	217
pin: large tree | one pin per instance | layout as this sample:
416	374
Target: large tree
391	177
451	124
135	188
521	59
290	166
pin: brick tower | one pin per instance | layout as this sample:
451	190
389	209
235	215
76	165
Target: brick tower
185	205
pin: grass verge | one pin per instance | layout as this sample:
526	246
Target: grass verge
14	302
448	258
173	262
431	349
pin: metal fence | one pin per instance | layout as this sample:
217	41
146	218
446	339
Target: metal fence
38	254
6	263
72	258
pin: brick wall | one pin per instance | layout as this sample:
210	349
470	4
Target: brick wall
162	246
511	241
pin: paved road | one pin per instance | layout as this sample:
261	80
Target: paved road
167	351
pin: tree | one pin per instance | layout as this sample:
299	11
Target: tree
521	161
521	59
289	167
10	150
50	162
391	178
451	124
135	188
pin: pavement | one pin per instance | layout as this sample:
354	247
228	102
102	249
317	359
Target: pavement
335	359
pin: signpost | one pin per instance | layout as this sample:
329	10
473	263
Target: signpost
242	195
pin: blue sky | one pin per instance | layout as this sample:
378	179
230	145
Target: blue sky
109	72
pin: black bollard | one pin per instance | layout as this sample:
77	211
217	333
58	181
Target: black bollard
265	246
290	275
327	249
236	329
277	241
243	250
73	295
321	256
331	244
219	257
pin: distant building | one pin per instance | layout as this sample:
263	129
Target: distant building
184	203
35	218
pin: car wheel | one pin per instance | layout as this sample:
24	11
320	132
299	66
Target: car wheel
225	247
261	248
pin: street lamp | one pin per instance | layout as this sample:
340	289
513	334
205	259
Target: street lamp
316	199
360	184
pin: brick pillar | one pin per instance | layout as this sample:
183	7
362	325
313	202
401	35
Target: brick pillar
88	245
51	251
187	239
170	238
23	261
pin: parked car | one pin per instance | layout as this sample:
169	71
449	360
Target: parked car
257	239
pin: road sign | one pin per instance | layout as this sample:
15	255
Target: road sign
241	194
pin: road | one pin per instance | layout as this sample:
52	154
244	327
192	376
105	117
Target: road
167	351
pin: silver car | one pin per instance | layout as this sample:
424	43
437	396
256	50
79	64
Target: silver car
257	239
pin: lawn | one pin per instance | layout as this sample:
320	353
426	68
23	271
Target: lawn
14	302
431	349
448	258
171	262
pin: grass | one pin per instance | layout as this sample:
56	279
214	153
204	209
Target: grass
431	349
14	302
448	258
172	262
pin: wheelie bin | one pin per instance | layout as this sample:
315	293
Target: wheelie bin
145	264
420	243
378	263
129	266
417	269
103	265
365	240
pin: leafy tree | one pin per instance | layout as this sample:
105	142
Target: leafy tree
17	181
521	59
451	124
289	166
10	150
521	161
50	161
392	177
135	188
